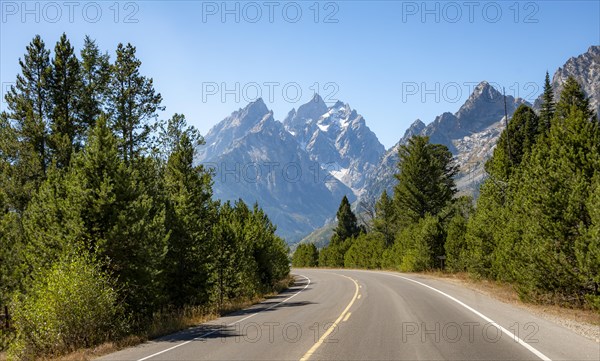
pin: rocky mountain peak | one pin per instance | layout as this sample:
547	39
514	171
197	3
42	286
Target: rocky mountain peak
253	111
585	68
310	111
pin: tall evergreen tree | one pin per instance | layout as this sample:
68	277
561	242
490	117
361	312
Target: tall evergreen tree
188	218
523	130
65	89
425	180
385	218
26	124
549	215
124	217
95	76
347	226
548	106
132	102
572	97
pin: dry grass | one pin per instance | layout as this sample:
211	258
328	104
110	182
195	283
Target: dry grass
166	323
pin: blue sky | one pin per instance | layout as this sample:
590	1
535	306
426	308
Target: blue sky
393	61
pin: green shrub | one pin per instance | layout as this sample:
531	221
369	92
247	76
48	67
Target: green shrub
71	305
306	255
366	251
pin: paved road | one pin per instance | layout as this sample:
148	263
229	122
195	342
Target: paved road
368	315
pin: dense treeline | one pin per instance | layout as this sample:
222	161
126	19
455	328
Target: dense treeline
535	225
105	218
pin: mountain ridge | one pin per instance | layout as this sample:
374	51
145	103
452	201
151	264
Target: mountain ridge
333	152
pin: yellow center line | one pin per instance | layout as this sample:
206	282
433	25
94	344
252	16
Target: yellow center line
347	316
321	340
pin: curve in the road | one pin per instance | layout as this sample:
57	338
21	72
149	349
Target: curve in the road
335	324
487	319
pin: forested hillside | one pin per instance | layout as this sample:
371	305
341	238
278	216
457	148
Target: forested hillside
535	225
105	221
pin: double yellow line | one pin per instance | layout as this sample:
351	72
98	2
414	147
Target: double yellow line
331	328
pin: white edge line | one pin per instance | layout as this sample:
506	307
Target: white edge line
492	322
231	324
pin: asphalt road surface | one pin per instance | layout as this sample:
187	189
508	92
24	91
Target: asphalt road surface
370	315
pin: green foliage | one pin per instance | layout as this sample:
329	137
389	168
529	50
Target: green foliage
550	209
24	127
456	228
244	240
73	304
306	255
535	223
365	252
189	216
415	245
483	229
98	214
95	75
514	143
52	222
587	248
64	92
385	219
133	102
333	255
573	96
347	226
425	180
489	223
548	106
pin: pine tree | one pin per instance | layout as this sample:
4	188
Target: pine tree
124	217
347	226
550	215
587	248
425	180
523	131
171	131
52	223
65	89
188	218
455	245
548	106
95	75
366	252
268	250
572	97
385	219
26	123
306	255
132	102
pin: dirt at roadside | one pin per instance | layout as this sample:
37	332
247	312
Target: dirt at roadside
584	322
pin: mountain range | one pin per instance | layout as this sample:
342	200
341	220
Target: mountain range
299	169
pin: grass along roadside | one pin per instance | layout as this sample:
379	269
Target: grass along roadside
165	323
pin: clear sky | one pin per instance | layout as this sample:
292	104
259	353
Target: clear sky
393	61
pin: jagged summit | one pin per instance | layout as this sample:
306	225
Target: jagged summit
310	111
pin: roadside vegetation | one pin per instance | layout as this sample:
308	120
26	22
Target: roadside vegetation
107	227
535	226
